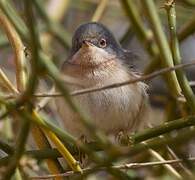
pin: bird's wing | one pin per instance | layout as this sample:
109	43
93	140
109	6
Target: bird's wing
129	58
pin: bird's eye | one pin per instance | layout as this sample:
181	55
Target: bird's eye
102	43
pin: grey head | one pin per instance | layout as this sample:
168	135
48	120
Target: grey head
99	37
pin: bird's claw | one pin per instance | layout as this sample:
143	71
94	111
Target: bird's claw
123	138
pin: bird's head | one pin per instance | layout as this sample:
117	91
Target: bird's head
94	45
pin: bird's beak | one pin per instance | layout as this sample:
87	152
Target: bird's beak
87	43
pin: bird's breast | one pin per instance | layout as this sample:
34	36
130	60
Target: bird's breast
111	110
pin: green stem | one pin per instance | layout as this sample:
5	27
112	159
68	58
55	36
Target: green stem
158	143
44	122
186	30
35	66
11	13
162	129
183	82
135	139
20	146
144	34
167	60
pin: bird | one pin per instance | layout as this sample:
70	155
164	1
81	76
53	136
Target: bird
97	59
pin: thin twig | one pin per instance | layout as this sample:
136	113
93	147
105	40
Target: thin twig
5	82
142	78
123	166
186	170
167	166
111	86
160	158
42	103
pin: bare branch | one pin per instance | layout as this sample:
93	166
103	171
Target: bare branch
142	78
147	77
123	166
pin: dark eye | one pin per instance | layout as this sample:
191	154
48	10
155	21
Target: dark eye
102	43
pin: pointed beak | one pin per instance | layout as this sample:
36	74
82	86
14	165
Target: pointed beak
87	43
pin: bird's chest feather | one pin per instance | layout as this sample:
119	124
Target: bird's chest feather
111	110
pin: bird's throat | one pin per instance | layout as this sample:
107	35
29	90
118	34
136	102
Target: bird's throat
92	57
